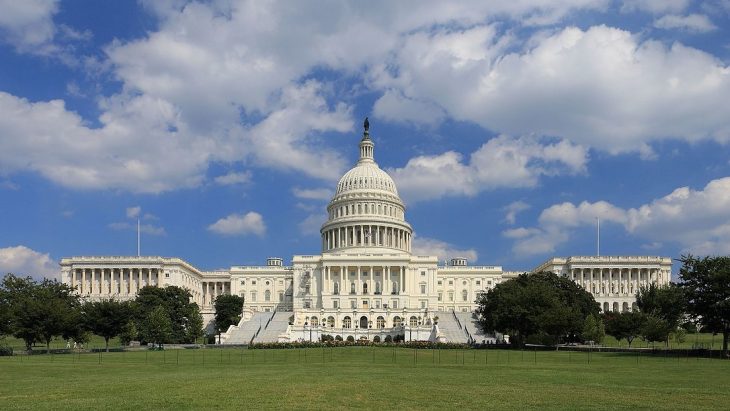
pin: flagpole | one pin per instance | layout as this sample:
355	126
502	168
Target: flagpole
138	254
598	237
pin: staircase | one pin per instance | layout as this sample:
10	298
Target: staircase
449	328
275	326
470	324
247	329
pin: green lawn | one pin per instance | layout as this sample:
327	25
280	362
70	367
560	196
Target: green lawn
361	377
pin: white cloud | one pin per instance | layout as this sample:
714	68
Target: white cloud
444	251
23	261
501	162
698	23
133	212
233	178
394	106
654	6
603	87
514	208
240	224
28	24
697	220
323	194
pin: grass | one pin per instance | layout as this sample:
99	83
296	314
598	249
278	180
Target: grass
361	377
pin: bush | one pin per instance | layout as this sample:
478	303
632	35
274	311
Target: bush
350	338
6	351
388	339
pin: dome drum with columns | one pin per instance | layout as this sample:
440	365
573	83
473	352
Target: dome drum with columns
366	211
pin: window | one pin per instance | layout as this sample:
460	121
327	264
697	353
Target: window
306	289
330	321
380	323
451	282
423	273
352	288
267	283
281	296
397	321
267	295
479	282
335	304
346	322
395	287
377	303
441	296
353	303
464	295
377	287
253	296
364	288
307	304
439	282
253	282
243	282
451	296
337	288
167	275
423	288
413	321
464	283
394	304
423	304
365	304
314	321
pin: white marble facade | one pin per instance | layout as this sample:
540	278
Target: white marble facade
366	280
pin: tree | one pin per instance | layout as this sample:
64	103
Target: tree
106	318
706	284
157	326
666	303
228	308
540	306
626	325
593	329
194	328
655	329
184	315
39	311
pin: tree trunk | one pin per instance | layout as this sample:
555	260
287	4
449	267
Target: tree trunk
725	335
48	346
106	340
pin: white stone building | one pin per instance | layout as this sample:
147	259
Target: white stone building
366	283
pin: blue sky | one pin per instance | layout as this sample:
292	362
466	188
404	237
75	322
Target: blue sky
509	127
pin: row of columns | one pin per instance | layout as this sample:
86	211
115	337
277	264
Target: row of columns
112	281
212	289
603	280
367	208
392	276
366	235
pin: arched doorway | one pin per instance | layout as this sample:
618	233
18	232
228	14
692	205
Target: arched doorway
364	322
397	321
330	321
380	323
346	322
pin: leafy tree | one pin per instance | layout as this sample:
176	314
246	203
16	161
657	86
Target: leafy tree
194	328
706	283
655	329
228	308
593	329
157	326
664	302
39	312
129	332
106	318
184	315
625	325
544	305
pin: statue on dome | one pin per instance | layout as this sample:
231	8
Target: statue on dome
366	125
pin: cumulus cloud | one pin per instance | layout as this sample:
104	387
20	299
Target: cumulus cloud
698	23
240	224
28	24
394	106
697	220
602	87
233	178
312	223
654	6
23	261
443	250
503	161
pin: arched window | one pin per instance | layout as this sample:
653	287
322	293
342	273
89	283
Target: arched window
377	287
346	322
352	288
380	323
364	288
397	321
395	287
330	321
314	321
413	321
267	295
605	307
615	307
337	288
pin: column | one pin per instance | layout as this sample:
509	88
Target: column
149	276
358	281
84	289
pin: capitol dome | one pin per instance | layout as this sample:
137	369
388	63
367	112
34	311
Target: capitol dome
366	211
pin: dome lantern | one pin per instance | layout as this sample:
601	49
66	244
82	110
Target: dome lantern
366	145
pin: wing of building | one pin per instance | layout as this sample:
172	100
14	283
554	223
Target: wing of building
366	283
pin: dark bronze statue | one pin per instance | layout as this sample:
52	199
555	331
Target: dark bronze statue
366	124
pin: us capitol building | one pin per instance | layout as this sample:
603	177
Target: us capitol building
366	283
